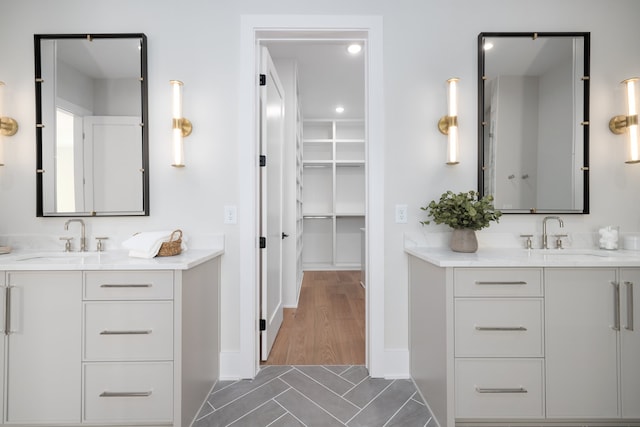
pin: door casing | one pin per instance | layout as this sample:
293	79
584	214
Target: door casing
245	362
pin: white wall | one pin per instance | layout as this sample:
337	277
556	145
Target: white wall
198	43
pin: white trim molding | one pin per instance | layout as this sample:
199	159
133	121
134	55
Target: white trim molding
245	363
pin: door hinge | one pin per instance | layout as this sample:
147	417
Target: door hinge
263	242
263	161
263	79
263	325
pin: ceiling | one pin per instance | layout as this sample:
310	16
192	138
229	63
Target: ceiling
328	76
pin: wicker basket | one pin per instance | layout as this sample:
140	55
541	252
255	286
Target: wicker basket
173	246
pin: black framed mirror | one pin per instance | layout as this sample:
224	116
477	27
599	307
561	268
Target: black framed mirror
533	121
91	125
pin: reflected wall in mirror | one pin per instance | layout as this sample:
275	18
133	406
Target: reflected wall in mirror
533	121
91	117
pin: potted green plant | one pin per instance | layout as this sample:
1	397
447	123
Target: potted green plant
465	213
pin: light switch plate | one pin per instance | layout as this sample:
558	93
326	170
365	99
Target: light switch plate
230	215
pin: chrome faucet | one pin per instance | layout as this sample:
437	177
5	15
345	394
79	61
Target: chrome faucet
83	242
544	229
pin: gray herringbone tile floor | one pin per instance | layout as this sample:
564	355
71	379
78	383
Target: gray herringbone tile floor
314	396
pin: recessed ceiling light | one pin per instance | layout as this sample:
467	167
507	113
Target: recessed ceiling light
354	48
339	109
487	46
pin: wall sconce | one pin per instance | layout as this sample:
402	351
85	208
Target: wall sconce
448	125
181	126
8	126
620	124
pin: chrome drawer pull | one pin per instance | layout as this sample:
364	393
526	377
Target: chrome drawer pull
126	285
133	332
616	306
520	282
125	394
629	326
501	328
501	390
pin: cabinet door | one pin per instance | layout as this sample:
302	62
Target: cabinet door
581	345
630	342
43	381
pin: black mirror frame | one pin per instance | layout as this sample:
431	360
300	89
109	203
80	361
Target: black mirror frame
585	123
145	123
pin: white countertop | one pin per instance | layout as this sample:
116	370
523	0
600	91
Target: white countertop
517	257
108	260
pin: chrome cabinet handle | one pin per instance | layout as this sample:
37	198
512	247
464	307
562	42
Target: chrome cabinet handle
7	311
501	328
125	394
126	285
519	282
616	306
501	390
629	326
130	332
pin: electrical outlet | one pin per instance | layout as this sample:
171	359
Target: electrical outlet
230	215
401	214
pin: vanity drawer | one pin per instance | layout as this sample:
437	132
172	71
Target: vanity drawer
497	282
128	330
499	388
127	285
128	392
499	327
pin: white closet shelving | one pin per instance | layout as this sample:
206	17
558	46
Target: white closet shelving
333	193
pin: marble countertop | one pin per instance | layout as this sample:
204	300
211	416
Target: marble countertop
517	257
108	260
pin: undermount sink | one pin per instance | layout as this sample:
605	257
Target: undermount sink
63	257
574	253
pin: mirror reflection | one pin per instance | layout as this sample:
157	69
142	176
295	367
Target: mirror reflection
91	107
533	121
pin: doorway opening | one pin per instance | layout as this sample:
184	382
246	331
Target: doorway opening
244	362
312	307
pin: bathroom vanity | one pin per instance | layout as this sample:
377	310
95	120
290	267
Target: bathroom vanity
526	337
103	339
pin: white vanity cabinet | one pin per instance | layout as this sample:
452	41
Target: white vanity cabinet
530	344
128	346
590	333
499	343
582	346
630	342
43	340
124	343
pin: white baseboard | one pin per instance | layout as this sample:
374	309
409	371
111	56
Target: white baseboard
232	367
396	363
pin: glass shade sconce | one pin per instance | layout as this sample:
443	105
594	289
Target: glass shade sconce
181	127
448	125
8	126
629	123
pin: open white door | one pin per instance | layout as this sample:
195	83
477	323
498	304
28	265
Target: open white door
271	143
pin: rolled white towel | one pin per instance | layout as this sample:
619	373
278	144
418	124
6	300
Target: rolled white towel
146	244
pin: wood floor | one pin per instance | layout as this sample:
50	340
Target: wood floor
328	326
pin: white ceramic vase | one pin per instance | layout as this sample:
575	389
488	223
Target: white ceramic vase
464	240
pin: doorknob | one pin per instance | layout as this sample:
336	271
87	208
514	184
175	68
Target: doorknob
284	235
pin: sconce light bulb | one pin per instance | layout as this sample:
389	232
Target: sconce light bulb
176	99
453	96
177	133
452	146
631	96
632	120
